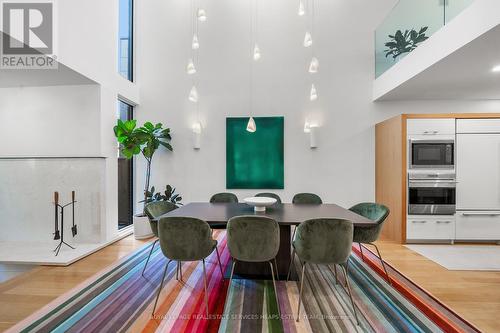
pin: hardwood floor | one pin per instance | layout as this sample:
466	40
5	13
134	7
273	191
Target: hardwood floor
474	295
27	293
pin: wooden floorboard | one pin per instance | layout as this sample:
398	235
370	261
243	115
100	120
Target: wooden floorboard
474	295
27	293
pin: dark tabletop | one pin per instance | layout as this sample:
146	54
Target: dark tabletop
286	214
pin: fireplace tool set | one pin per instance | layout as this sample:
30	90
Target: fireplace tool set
59	231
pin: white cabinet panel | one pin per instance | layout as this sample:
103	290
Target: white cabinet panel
478	125
430	126
478	171
438	228
478	225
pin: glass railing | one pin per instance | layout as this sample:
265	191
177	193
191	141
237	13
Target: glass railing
409	24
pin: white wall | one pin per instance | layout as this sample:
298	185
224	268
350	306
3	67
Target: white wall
50	121
341	170
27	191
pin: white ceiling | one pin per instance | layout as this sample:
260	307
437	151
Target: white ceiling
464	74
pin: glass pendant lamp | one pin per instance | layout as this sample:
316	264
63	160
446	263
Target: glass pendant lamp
251	127
193	95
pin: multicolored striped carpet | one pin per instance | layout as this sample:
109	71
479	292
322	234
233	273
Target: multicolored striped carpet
120	299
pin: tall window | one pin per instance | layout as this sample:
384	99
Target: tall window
126	41
125	175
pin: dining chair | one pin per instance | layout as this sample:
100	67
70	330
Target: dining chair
368	235
323	241
154	210
270	195
307	198
224	197
253	238
186	239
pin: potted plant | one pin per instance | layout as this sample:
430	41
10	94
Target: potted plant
145	140
404	42
168	195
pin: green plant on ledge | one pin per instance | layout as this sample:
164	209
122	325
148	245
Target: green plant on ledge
168	195
406	42
145	140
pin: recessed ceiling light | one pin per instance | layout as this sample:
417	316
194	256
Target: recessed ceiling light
496	69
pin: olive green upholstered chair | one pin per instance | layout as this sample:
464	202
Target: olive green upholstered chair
186	239
224	197
368	235
323	241
307	198
270	195
253	239
154	210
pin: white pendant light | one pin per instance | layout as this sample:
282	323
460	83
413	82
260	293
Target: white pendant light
308	39
314	65
256	52
251	127
190	69
202	15
314	93
193	95
302	9
195	45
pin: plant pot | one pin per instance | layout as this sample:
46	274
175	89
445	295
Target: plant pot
142	229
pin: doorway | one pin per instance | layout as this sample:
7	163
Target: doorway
125	175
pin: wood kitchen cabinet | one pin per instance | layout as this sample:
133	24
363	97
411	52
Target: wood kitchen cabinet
391	165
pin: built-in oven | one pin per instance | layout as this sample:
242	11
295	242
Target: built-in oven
432	154
431	196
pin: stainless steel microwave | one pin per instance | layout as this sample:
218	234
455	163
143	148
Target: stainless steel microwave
432	154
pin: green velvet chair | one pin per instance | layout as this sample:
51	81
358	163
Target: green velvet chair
253	238
186	239
307	198
154	210
224	197
323	241
374	212
270	195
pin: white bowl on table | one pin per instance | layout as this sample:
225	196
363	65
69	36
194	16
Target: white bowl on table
260	203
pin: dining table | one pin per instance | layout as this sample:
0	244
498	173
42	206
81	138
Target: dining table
286	214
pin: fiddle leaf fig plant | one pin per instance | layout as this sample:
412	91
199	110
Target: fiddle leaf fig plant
145	140
404	42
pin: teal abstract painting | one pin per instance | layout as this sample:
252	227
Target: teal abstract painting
255	160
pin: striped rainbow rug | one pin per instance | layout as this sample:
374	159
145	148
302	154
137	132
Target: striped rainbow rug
119	299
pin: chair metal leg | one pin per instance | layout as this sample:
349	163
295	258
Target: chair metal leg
230	278
177	271
293	234
361	250
180	269
345	270
301	287
276	267
290	266
335	270
161	285
205	282
275	290
220	265
383	264
149	256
